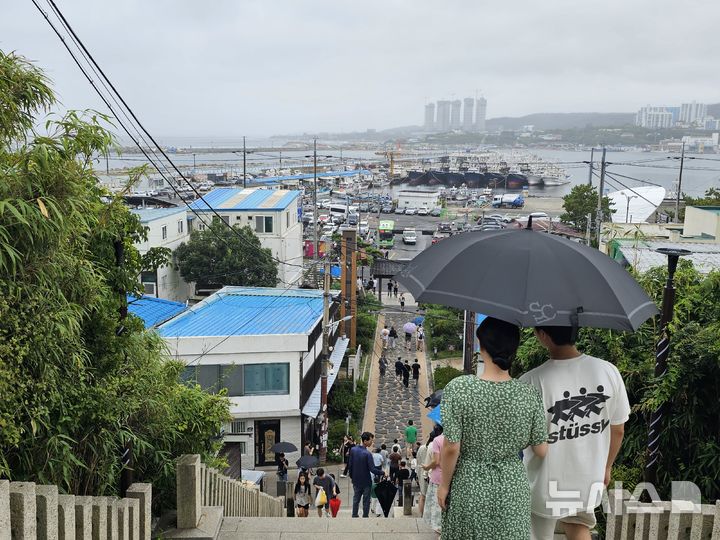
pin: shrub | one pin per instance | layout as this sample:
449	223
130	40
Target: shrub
444	375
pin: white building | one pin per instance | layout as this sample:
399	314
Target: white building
274	215
455	108
411	198
468	114
442	121
654	117
263	345
168	228
693	113
430	117
480	113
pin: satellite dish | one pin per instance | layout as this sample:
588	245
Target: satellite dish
635	205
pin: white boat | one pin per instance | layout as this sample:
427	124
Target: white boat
534	180
555	180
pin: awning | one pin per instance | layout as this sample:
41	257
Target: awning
312	407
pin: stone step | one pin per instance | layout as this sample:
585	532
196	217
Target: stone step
325	528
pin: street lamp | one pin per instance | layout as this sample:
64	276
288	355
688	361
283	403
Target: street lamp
662	350
245	152
315	214
627	206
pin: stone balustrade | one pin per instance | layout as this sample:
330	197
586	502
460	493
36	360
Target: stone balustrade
30	511
632	520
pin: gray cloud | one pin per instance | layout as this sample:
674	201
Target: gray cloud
229	68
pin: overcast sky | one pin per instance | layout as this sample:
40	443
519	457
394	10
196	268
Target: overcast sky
261	67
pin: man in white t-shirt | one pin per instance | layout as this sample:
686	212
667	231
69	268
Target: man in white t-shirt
586	407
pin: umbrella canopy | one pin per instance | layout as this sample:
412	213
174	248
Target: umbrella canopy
530	279
409	327
433	400
307	462
283	447
434	415
418	320
385	492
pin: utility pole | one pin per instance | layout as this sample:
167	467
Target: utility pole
677	195
592	156
244	164
469	342
126	458
325	360
601	188
315	209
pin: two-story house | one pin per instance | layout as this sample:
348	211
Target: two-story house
274	215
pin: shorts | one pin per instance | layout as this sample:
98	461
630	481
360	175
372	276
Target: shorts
305	506
408	336
543	527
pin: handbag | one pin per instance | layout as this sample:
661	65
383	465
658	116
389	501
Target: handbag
321	499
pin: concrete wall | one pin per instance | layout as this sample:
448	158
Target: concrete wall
699	221
418	199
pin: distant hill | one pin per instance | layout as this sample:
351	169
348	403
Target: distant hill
544	121
714	110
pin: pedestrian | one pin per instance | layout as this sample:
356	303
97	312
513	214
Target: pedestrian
385	335
422	475
579	392
420	338
433	513
403	475
395	289
361	467
282	467
370	285
390	287
335	491
392	337
399	368
416	371
406	374
379	462
402	301
302	495
413	467
394	458
479	458
410	439
347	444
384	452
374	286
382	363
408	338
323	482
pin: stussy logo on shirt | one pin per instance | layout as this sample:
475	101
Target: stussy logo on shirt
570	410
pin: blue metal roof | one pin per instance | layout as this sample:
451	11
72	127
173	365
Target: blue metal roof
151	214
153	311
324	174
233	199
249	311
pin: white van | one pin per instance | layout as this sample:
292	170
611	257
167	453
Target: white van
409	236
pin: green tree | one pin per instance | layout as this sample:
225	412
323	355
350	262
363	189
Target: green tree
77	380
581	201
219	256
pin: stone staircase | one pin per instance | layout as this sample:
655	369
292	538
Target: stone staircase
311	528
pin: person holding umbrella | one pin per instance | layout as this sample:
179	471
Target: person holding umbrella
409	329
487	421
587	406
361	468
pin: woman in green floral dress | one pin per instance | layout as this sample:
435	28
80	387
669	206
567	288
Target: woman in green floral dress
488	420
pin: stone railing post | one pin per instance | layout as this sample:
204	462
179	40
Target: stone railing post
113	518
99	518
4	510
83	518
188	491
23	508
66	517
46	501
123	519
290	498
716	521
407	498
134	518
143	493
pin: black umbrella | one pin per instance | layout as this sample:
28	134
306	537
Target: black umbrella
385	492
283	447
433	400
530	279
307	462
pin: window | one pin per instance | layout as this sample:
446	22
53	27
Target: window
237	427
287	219
266	379
263	224
243	447
231	378
206	376
238	218
164	232
180	226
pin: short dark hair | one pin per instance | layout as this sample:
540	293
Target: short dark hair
366	436
383	446
559	335
320	471
500	340
410	422
403	463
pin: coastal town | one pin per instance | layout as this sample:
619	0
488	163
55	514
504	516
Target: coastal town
473	326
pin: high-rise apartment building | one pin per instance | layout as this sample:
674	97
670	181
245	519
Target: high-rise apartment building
468	114
456	106
442	122
480	111
693	113
654	117
430	117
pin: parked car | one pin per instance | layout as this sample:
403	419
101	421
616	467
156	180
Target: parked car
387	209
410	211
423	211
363	228
374	208
435	212
399	210
496	216
437	236
539	215
364	207
353	219
445	227
323	218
